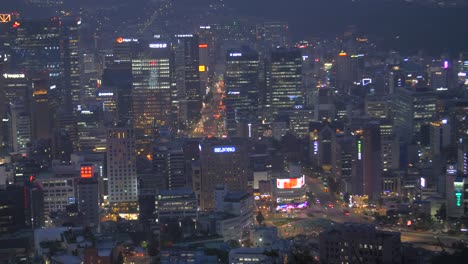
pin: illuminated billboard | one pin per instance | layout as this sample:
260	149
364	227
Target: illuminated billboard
224	149
203	46
285	207
292	183
86	171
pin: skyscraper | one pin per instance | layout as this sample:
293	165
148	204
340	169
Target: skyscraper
41	115
242	88
187	78
121	169
151	92
51	45
284	81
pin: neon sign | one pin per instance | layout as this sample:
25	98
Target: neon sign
235	54
315	147
224	149
458	196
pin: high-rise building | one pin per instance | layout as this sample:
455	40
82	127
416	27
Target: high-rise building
413	108
121	169
51	45
284	81
88	195
367	168
187	78
169	165
20	127
151	92
16	88
70	37
41	114
242	88
223	163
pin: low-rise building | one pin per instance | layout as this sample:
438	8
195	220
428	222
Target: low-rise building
359	243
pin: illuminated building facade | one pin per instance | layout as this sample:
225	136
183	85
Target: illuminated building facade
284	81
151	94
290	193
51	45
187	78
121	170
413	108
367	167
223	163
242	88
20	127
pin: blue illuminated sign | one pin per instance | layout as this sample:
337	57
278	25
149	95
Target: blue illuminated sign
224	149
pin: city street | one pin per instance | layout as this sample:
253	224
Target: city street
325	210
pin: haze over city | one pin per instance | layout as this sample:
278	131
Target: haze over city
240	132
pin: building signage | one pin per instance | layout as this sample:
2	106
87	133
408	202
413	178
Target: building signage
5	18
224	149
13	75
451	169
86	171
359	149
158	45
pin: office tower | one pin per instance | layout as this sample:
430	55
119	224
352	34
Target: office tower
16	88
151	93
187	79
377	107
273	33
88	195
223	163
124	50
116	94
38	48
59	190
33	203
347	69
91	131
242	89
70	37
359	243
121	169
367	168
51	45
413	108
20	127
169	164
65	139
41	114
284	81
